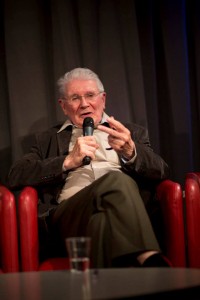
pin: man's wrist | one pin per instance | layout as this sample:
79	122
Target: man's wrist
126	160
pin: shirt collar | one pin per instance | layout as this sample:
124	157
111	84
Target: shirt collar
69	123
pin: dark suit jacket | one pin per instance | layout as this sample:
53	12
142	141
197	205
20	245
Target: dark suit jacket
42	166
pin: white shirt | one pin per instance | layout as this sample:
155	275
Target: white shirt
105	160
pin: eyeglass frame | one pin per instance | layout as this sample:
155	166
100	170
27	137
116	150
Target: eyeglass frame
89	96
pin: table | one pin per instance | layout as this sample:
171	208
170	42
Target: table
101	284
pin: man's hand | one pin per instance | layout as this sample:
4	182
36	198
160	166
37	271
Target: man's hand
119	138
84	146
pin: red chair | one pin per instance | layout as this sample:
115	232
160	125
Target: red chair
9	259
29	237
192	204
169	195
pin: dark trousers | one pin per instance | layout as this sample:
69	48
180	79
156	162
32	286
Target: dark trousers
110	211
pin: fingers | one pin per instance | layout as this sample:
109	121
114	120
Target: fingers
114	124
85	146
119	137
115	143
116	130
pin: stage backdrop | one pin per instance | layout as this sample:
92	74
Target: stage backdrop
147	54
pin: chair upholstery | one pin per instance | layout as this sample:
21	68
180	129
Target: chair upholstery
29	238
9	259
192	204
169	195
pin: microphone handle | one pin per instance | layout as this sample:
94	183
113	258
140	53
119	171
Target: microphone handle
88	128
86	160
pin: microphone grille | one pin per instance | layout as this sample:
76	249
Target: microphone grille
88	122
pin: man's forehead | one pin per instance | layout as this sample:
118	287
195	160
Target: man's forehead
79	85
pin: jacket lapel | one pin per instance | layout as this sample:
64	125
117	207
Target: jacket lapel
63	139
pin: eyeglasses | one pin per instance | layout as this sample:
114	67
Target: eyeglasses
77	98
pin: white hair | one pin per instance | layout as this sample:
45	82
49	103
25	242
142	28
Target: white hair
78	73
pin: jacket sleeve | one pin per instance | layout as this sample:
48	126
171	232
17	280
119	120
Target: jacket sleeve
147	165
38	167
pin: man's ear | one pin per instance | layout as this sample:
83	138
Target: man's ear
104	99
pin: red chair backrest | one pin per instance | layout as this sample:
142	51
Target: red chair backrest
192	203
170	196
29	239
8	231
28	227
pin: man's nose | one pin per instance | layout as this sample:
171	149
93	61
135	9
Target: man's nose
83	101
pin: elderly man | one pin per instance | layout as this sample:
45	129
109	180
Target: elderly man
96	180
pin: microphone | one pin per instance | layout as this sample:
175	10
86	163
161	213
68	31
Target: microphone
88	128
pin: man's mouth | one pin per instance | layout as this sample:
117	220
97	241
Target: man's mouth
86	114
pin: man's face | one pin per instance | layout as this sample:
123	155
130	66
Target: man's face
77	107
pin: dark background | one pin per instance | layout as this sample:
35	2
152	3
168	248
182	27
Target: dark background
147	53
